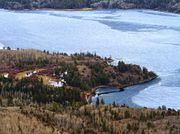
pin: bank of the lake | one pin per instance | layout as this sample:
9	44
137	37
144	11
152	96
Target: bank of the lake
122	96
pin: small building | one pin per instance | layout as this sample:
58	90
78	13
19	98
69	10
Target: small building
62	75
6	75
56	83
34	72
65	73
63	81
28	74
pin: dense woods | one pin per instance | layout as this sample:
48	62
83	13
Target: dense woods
167	5
32	90
30	4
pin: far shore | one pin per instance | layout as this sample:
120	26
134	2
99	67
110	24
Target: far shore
89	9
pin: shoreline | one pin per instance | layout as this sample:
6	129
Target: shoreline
89	9
53	9
120	89
125	86
130	91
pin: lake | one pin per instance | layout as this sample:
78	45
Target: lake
144	37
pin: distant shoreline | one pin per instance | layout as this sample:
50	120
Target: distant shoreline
89	9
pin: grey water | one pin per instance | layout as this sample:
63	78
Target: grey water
145	37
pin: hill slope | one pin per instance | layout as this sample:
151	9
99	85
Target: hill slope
89	120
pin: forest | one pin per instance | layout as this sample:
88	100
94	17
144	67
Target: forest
165	5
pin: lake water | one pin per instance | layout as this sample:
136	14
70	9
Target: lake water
144	37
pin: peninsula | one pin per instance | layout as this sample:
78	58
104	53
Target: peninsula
44	92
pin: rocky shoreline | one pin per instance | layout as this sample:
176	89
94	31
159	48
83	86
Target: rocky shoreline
125	86
161	5
119	89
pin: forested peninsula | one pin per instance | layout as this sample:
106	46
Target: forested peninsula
44	77
45	92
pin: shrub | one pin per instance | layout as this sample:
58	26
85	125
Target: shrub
122	66
127	114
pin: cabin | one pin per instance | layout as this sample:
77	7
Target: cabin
34	72
65	73
28	74
56	83
62	75
6	75
63	81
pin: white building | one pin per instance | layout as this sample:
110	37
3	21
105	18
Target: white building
56	83
63	81
6	75
62	75
28	74
34	72
66	73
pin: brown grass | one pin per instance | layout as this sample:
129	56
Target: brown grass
13	122
31	120
45	79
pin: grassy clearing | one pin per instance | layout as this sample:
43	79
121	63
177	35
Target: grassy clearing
86	9
45	79
21	75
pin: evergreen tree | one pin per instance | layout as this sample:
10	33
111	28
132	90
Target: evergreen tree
97	102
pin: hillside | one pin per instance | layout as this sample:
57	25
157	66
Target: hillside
89	120
30	104
164	5
13	122
89	69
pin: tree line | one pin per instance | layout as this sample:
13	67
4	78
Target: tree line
32	90
73	4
